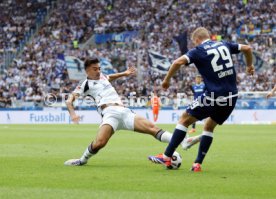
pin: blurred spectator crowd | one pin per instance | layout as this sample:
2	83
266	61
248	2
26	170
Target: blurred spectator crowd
71	23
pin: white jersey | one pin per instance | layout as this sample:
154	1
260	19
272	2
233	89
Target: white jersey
100	90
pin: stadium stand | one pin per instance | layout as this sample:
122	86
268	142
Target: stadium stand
70	23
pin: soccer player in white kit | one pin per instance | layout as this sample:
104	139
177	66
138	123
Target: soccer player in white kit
114	115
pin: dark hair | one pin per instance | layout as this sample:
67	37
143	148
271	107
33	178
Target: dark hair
89	61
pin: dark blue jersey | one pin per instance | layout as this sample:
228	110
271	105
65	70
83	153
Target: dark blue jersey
214	63
198	89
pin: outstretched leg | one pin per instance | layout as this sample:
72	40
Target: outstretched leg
179	133
104	134
178	136
143	125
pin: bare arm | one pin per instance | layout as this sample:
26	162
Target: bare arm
128	72
274	89
69	103
247	51
271	93
173	68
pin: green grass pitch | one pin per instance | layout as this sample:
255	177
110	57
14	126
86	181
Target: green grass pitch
240	164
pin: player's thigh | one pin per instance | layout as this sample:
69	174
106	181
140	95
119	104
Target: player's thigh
126	120
197	110
142	125
104	134
111	118
209	125
223	110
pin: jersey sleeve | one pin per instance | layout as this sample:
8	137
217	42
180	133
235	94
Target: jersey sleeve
234	48
80	88
190	56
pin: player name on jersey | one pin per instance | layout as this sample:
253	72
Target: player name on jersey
222	74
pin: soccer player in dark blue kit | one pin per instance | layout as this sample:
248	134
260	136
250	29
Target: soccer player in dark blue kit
198	89
214	63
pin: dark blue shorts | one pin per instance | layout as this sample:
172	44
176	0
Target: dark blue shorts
218	109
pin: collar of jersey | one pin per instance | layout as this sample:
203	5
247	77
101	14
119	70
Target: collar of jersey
205	41
92	79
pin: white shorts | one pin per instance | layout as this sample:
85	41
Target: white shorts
120	118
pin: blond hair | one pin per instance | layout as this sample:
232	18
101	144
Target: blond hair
200	33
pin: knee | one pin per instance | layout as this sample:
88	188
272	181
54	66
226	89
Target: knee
185	121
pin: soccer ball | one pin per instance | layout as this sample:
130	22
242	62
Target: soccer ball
176	160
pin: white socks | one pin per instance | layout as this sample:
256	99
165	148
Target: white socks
85	156
207	133
166	137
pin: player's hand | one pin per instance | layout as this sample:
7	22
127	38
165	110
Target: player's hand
250	70
165	84
270	94
130	71
75	119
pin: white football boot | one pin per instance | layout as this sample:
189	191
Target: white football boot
74	162
188	142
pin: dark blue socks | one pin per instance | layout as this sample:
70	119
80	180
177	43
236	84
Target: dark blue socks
178	136
205	143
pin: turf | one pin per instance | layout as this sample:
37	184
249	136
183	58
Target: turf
240	164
